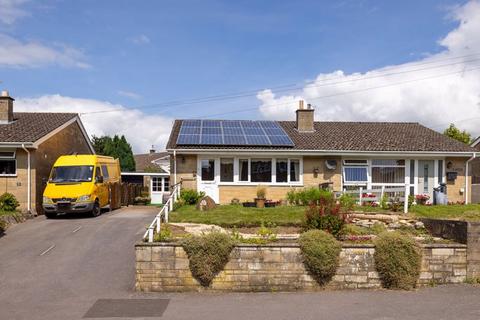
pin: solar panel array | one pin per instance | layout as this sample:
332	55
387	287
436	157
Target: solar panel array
233	132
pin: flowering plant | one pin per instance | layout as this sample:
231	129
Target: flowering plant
422	198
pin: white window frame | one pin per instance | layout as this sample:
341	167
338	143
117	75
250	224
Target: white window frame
14	158
394	184
236	170
363	163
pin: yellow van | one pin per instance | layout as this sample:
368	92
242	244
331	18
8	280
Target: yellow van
78	183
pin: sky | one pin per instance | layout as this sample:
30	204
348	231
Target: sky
132	67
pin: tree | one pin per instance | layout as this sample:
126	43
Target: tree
453	132
116	147
99	143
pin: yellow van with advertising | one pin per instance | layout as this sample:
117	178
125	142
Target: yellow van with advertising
79	183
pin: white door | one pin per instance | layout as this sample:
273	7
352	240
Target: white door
426	177
156	194
208	181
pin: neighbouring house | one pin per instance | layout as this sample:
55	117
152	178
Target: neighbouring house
152	170
229	159
30	142
475	171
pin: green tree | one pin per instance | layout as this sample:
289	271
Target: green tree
116	147
99	144
453	132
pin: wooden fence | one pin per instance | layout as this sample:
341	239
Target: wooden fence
375	195
124	194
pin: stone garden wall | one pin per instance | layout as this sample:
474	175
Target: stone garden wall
279	267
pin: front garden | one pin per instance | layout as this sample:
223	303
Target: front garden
319	223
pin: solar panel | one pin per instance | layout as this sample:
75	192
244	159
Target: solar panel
233	132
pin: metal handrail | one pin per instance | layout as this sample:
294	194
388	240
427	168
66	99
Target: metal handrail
166	209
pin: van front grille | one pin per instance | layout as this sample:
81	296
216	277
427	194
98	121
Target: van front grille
55	200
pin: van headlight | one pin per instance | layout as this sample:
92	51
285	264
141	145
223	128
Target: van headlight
47	200
84	198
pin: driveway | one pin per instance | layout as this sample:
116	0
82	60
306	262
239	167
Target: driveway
74	268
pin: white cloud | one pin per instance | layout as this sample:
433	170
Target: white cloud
129	94
434	102
140	39
28	54
140	129
10	11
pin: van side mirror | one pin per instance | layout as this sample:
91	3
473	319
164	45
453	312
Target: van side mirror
99	179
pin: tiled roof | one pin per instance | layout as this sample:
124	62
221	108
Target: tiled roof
354	136
31	126
144	161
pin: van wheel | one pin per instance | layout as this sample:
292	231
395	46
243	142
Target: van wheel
96	209
50	215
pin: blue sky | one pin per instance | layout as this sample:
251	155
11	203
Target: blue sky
139	53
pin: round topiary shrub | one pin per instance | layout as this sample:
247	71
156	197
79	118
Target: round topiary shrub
321	252
398	260
208	254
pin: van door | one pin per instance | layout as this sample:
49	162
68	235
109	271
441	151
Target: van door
102	189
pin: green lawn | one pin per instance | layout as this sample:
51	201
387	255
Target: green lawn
238	216
470	212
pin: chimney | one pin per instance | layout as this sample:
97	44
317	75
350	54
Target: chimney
6	108
152	150
305	118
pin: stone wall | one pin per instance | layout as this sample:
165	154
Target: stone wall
456	189
186	170
279	267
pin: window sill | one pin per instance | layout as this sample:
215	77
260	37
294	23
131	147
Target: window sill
8	175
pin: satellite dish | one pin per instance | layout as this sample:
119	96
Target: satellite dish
331	164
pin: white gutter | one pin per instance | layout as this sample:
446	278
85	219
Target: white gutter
29	180
467	177
325	152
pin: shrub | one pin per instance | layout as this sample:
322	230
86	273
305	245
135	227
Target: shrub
191	196
3	226
8	202
306	196
321	252
384	202
164	235
208	254
329	214
397	260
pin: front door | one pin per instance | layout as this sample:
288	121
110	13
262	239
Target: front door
156	190
426	177
208	182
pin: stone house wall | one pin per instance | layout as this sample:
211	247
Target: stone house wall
278	267
454	188
186	170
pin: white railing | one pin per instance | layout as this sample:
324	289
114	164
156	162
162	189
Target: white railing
166	209
378	194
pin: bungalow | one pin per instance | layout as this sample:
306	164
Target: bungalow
152	170
29	145
229	159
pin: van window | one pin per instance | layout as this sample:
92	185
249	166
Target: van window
71	174
98	173
105	172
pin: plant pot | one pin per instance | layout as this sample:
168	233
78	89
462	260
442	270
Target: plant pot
270	204
260	202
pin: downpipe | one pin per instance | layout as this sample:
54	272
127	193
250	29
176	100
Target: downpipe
29	180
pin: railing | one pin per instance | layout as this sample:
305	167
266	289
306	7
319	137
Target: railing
376	195
166	209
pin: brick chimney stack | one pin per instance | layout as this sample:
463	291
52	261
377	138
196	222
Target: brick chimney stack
305	117
6	108
152	150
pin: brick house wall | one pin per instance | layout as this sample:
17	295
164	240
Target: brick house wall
454	188
68	141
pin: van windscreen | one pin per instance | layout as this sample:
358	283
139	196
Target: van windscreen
72	174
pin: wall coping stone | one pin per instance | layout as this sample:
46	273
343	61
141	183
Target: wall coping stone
296	245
